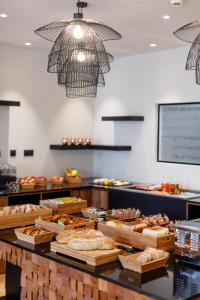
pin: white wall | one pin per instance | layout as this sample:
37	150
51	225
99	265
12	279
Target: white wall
133	87
45	115
4	132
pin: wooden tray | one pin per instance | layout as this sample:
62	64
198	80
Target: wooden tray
54	227
23	219
70	208
93	258
136	239
130	262
38	239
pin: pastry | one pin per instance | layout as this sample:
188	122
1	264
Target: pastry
124	213
85	244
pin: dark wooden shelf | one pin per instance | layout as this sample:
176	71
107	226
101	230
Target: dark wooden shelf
9	103
91	147
123	118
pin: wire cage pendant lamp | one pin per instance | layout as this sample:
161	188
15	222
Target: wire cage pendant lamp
191	33
78	54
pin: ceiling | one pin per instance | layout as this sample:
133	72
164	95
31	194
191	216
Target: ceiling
139	21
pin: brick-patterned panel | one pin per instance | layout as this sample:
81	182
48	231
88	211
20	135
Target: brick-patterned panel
44	279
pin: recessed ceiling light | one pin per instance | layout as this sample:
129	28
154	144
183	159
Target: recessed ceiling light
3	15
28	44
166	17
152	45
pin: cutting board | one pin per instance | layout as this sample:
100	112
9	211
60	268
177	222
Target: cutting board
93	258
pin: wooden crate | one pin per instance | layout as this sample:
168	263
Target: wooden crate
136	239
130	262
27	186
40	182
93	258
23	219
45	223
38	239
70	208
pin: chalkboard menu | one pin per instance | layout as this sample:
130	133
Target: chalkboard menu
179	133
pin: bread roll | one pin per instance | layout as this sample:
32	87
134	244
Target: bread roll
143	258
155	253
155	231
98	243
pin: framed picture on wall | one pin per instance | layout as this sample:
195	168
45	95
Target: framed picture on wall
179	133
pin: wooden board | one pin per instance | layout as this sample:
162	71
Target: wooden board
70	208
136	239
23	219
93	258
51	226
130	262
38	239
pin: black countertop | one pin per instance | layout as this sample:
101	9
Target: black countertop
87	183
178	281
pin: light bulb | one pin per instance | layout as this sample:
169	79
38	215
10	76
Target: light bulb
78	32
81	56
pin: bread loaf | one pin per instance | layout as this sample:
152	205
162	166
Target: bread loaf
98	243
155	231
66	236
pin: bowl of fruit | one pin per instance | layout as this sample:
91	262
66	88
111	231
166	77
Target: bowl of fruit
72	176
27	182
56	180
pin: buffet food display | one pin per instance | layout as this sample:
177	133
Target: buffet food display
110	182
34	235
124	214
56	180
62	222
96	214
145	261
163	188
139	233
66	205
90	246
40	181
22	215
72	175
27	182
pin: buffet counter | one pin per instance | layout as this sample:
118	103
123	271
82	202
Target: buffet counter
175	206
42	274
87	183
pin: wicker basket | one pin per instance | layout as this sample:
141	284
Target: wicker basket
71	179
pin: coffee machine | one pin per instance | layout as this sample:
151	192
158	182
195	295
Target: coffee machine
7	175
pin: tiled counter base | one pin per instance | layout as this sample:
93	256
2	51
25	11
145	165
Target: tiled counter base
43	279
